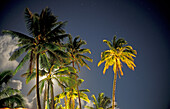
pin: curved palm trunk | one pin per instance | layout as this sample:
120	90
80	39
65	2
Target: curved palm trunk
37	82
114	90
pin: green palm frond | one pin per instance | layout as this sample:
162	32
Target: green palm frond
21	36
8	91
85	57
18	53
108	43
33	88
44	61
23	61
17	99
95	101
5	76
30	77
56	32
84	50
32	22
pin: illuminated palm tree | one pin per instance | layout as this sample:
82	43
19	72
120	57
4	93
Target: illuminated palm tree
117	54
45	31
72	94
9	97
77	57
49	75
102	102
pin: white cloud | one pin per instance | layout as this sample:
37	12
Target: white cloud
28	104
16	84
7	46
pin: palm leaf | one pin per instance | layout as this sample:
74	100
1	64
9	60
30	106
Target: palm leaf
5	76
18	53
85	57
25	59
95	101
108	43
84	50
19	35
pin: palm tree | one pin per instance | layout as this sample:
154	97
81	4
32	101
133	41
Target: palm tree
77	57
72	94
45	31
9	97
60	75
102	102
117	54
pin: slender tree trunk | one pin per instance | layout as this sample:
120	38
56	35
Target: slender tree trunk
48	104
78	91
52	96
45	96
37	82
78	95
114	90
70	103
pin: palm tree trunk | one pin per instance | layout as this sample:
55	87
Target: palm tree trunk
45	96
78	91
114	90
52	96
37	82
78	95
48	104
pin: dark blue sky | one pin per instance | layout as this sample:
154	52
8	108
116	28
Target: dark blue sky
144	24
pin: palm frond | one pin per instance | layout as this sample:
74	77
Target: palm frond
108	43
5	76
84	50
18	53
23	61
85	57
32	22
22	37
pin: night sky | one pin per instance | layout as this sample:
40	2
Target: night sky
144	24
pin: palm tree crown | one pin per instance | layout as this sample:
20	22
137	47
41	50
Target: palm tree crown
117	54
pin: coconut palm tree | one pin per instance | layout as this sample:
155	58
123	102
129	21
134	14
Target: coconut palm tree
60	75
9	97
72	94
117	54
44	32
102	102
77	58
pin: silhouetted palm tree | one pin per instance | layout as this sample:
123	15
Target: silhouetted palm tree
117	54
45	31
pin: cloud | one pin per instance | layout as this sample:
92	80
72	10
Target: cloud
7	46
16	84
28	103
